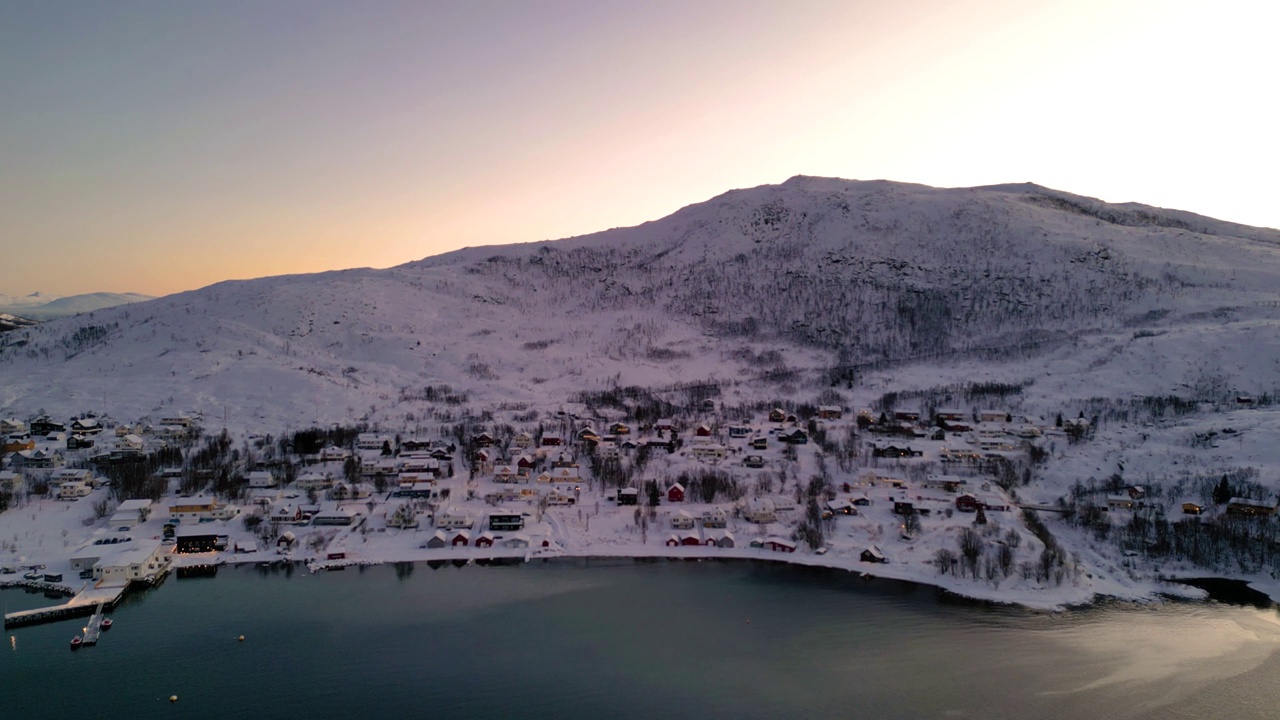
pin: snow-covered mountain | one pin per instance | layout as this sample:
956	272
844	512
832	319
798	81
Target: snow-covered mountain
775	289
38	306
12	322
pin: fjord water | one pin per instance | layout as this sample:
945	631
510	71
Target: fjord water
621	640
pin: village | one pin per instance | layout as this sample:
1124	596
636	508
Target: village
930	498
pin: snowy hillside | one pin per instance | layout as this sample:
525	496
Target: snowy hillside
803	283
39	306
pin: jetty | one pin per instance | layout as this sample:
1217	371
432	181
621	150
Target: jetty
93	629
88	601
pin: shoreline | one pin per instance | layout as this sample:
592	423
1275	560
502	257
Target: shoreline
1060	602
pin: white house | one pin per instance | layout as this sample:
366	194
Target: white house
130	513
73	490
261	479
759	510
682	521
454	518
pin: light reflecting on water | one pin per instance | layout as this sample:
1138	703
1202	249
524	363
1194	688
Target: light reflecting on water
620	640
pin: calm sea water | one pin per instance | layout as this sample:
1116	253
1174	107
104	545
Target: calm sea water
611	640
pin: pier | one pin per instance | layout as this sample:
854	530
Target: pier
86	602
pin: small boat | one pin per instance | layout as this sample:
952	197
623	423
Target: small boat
75	642
105	624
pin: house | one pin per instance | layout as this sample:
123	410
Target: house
860	501
78	442
415	445
1119	502
996	416
522	440
795	437
200	509
682	521
903	507
453	517
1249	507
721	540
739	432
506	521
690	539
461	538
11	481
664	425
36	459
337	516
333	452
286	514
18	443
485	539
64	475
85	426
1137	492
873	555
906	416
949	415
130	513
709	452
192	540
482	439
703	431
779	544
409	488
437	540
552	439
1190	508
759	510
949	483
673	540
286	541
895	451
759	443
629	496
314	481
830	412
14	426
401	515
619	429
675	493
841	507
261	479
519	540
967	503
715	518
73	490
777	415
505	474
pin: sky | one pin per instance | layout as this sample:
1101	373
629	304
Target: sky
156	147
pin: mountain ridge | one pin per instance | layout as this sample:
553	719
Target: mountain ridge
808	275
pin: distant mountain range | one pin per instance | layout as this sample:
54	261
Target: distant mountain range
38	306
766	291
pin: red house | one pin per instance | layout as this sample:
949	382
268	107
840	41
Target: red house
673	541
778	544
462	538
703	430
690	539
485	540
967	503
675	493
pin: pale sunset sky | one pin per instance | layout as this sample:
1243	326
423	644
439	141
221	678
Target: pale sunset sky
156	147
